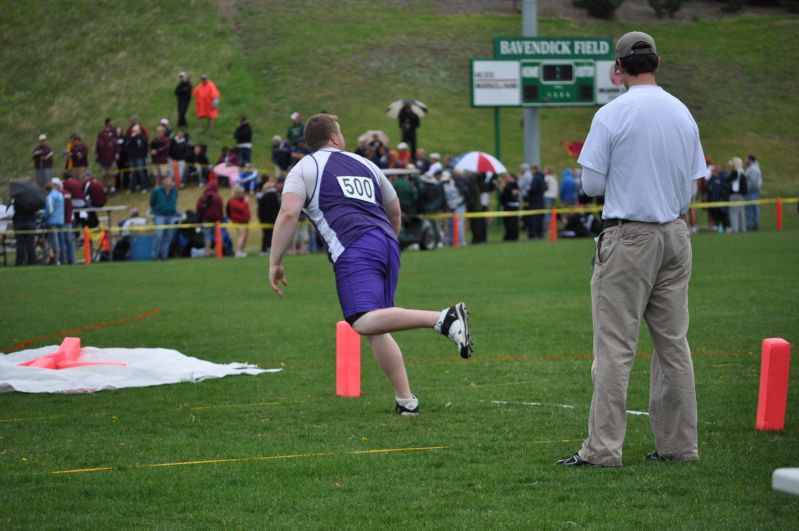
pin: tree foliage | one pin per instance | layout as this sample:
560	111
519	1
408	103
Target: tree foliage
599	8
666	7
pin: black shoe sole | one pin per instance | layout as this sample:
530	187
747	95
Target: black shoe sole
467	349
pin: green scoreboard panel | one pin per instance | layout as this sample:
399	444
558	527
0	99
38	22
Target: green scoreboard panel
557	82
561	71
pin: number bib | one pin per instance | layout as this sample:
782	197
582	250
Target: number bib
357	187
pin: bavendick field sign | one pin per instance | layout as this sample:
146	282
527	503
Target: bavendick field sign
548	72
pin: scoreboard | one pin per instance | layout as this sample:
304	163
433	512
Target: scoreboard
546	72
557	82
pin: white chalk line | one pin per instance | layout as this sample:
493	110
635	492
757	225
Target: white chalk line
562	406
534	404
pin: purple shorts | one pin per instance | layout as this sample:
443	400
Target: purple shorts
366	274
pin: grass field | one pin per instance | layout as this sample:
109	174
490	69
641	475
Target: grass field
67	65
481	454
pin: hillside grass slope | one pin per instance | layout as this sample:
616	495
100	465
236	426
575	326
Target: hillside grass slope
67	65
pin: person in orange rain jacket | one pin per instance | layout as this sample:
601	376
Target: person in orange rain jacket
206	101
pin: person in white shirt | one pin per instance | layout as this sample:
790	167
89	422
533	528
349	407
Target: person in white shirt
525	181
642	152
435	165
551	194
754	181
736	180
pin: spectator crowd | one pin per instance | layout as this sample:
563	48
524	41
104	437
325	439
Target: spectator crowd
162	161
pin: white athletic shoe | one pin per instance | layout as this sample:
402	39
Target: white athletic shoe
454	324
405	409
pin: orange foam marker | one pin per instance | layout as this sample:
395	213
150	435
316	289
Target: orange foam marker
87	246
218	235
71	348
70	364
775	362
176	173
43	362
66	357
348	360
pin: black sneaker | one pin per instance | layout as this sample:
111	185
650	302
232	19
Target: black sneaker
574	460
455	325
403	411
655	456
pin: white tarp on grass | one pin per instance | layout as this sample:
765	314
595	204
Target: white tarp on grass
144	367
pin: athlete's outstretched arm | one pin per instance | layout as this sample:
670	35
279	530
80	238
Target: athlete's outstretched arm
282	236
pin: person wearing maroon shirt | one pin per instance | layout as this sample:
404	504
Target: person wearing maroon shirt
43	162
159	154
79	154
238	210
94	195
105	153
209	210
74	188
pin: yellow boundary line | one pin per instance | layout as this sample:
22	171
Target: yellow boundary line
256	458
228	406
446	215
2	421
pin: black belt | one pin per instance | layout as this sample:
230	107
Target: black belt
612	222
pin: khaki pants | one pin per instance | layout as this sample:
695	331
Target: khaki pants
642	270
160	171
108	177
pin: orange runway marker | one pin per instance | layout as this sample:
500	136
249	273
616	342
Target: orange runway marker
348	360
87	246
176	173
775	362
218	235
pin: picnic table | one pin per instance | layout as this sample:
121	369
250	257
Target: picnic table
109	211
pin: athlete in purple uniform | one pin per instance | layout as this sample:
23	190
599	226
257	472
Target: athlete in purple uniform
357	213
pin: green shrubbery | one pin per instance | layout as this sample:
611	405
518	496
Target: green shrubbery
599	8
666	7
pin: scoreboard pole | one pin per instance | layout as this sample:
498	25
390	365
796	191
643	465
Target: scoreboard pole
497	141
531	116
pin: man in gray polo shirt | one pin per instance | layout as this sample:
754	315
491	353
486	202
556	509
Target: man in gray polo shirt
641	153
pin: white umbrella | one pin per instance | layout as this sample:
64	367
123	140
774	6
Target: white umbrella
419	108
367	136
479	162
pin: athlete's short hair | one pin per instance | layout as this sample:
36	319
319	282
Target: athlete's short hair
318	130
